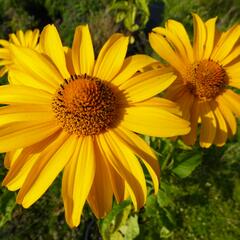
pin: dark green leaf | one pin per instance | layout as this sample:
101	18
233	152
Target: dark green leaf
185	168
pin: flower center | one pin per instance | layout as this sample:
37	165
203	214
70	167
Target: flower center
206	79
86	105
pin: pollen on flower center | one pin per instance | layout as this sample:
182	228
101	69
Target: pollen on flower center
205	79
86	105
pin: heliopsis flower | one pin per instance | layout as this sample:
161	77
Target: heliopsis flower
84	123
28	39
206	72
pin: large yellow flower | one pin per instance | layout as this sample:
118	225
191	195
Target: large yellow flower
28	39
205	72
83	123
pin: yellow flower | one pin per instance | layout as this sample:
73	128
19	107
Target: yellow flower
28	39
82	123
205	73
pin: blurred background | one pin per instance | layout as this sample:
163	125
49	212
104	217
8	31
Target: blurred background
200	189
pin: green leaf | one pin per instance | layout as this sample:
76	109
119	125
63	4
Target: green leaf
111	223
151	206
118	225
130	18
120	16
166	150
165	233
170	216
131	229
185	168
122	5
122	217
163	199
143	6
116	236
181	145
7	204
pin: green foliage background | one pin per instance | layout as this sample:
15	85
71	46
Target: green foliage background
199	196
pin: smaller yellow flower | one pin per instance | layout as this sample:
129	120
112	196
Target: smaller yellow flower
206	72
28	39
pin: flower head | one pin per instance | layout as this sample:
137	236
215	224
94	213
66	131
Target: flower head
77	114
205	73
28	39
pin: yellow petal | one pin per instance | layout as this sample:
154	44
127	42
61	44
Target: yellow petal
154	121
49	164
36	64
226	43
5	62
232	69
130	66
200	36
111	57
233	74
4	43
142	150
78	178
163	103
165	51
22	161
185	102
17	77
175	41
17	181
10	94
208	126
100	196
232	99
221	131
68	56
26	112
132	162
51	45
10	157
3	70
117	157
35	38
210	29
28	38
231	56
20	36
116	181
147	84
190	138
22	134
82	51
175	91
179	30
228	116
5	54
13	38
